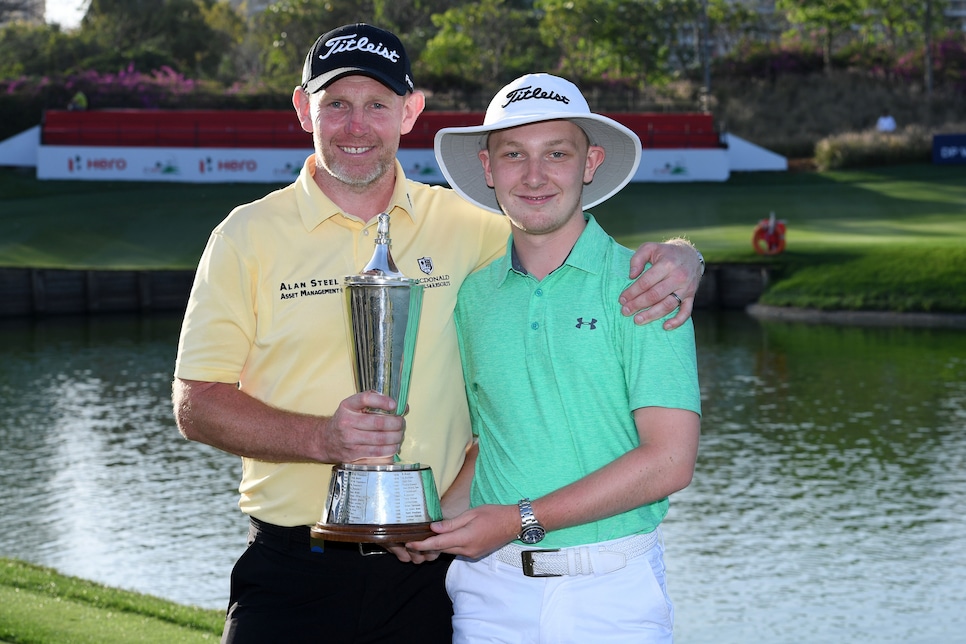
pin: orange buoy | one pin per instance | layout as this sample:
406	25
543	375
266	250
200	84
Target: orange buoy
769	236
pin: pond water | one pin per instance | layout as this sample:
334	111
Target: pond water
828	505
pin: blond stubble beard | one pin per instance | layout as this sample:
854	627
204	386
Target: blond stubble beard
352	180
355	181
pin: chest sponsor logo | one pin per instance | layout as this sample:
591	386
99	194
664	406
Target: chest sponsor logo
427	266
309	288
435	281
591	323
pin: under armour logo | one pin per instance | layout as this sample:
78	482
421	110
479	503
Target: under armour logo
592	323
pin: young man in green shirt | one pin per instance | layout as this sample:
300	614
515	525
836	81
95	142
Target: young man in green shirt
586	422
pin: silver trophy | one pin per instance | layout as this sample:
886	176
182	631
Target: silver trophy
394	501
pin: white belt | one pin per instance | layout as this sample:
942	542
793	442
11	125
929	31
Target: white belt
579	560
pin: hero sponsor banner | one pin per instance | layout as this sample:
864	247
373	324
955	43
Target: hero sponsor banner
668	165
256	165
188	165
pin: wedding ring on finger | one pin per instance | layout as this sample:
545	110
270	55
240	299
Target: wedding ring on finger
675	296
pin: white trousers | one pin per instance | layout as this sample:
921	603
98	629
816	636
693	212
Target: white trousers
495	602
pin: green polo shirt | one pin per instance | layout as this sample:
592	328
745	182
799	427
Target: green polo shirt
554	372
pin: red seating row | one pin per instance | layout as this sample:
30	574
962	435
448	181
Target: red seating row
672	130
175	129
657	130
281	129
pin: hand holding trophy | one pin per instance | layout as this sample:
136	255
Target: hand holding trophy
391	501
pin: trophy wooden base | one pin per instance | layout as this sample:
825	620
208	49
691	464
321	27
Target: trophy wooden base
368	533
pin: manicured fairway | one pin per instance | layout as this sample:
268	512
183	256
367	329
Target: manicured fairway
919	205
884	239
891	238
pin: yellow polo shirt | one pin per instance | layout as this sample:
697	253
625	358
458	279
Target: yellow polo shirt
266	312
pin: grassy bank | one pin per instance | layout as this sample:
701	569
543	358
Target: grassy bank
39	606
890	238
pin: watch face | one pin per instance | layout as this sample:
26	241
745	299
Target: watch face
533	534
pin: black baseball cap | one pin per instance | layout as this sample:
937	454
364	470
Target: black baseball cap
358	49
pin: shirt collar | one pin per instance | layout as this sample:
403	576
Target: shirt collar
584	256
316	207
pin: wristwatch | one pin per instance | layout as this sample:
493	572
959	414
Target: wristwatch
700	261
531	531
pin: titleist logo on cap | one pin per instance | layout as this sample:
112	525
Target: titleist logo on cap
341	44
530	92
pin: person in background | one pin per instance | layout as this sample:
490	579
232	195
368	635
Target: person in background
586	424
78	102
886	122
263	368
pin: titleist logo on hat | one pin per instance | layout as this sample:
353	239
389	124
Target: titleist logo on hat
529	92
353	42
358	50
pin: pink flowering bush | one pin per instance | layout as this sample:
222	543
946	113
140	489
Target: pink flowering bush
23	100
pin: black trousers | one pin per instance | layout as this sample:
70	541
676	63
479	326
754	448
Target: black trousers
285	590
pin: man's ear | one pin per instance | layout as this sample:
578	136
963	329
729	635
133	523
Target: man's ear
412	108
595	157
303	108
485	160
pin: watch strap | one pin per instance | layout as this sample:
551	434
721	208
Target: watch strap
527	517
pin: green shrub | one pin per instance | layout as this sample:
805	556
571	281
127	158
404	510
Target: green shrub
912	144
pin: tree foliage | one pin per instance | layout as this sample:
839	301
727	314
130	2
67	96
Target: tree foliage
485	43
483	40
635	41
822	20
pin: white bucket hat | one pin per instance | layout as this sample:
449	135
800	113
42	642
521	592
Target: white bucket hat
531	99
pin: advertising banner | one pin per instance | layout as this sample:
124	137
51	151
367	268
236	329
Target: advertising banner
186	165
949	149
259	165
681	165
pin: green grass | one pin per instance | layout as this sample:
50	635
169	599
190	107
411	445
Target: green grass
111	224
38	605
888	238
891	238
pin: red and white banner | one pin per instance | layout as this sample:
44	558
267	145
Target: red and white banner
270	147
191	165
259	165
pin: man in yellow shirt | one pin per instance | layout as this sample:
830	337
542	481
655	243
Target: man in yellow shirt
263	365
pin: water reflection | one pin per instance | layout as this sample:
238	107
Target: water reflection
827	505
98	482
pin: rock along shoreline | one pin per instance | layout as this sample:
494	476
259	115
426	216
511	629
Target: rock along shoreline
856	318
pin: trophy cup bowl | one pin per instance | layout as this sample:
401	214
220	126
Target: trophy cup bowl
387	502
